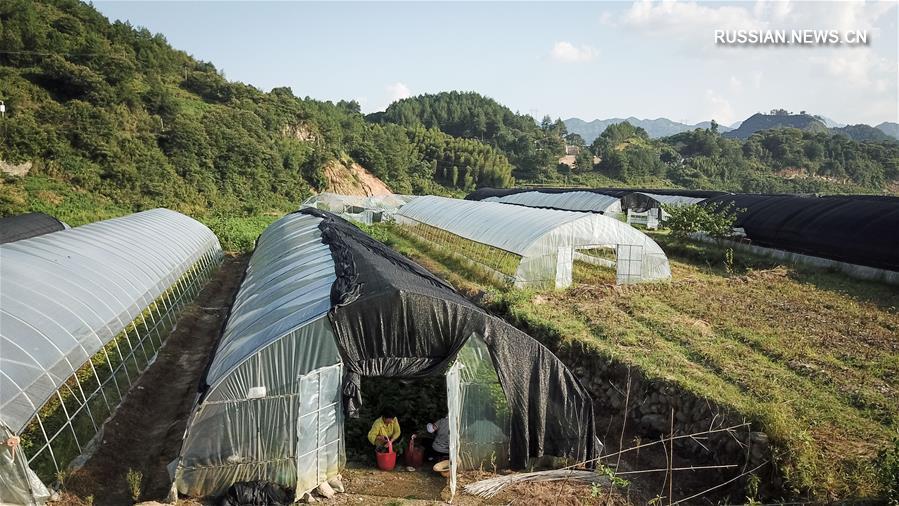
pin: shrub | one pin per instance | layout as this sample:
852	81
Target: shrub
716	220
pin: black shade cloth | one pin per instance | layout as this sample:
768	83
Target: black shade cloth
255	493
393	318
859	229
24	226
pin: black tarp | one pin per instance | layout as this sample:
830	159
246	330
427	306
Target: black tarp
858	229
24	226
484	193
255	493
393	318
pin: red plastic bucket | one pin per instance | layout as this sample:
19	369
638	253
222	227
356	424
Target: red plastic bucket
386	460
414	455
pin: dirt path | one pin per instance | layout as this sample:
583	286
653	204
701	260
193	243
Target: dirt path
145	433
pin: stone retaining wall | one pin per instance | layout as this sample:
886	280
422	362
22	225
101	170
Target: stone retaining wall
649	410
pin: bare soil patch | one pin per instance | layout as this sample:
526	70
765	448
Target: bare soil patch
366	485
145	432
353	180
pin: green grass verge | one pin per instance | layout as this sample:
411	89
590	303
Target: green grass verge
237	230
809	356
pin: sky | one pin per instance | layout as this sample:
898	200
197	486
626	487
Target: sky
586	60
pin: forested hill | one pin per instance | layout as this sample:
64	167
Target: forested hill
533	149
775	157
777	119
103	114
105	119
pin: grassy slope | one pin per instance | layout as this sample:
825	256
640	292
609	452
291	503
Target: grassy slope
76	207
813	357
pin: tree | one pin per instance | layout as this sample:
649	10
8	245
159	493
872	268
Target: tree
584	161
715	220
574	139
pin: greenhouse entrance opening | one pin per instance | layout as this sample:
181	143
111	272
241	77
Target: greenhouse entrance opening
595	265
469	394
415	402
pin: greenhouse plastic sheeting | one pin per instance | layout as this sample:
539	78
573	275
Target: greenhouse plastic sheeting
24	226
569	201
642	202
66	294
284	370
287	283
18	483
858	229
271	406
368	210
337	203
484	193
545	239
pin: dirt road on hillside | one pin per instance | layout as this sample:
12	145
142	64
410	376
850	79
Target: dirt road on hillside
145	433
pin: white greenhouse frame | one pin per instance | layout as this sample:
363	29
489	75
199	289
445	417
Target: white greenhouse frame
546	241
83	312
661	200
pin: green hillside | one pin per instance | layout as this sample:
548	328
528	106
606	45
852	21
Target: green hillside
108	119
533	149
104	119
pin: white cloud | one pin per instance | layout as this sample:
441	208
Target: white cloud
719	108
862	76
606	19
568	52
688	19
398	91
757	79
860	68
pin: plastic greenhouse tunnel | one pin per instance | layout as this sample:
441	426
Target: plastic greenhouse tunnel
322	306
532	247
581	201
83	312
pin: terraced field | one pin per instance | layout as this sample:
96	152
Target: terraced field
809	357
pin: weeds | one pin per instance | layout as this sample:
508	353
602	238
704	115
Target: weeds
135	483
888	470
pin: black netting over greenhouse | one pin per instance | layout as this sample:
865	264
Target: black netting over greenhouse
857	229
322	306
22	226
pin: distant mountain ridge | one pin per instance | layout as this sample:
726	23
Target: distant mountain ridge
862	132
663	127
889	128
656	128
809	123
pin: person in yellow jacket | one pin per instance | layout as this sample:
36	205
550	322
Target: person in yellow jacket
385	427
